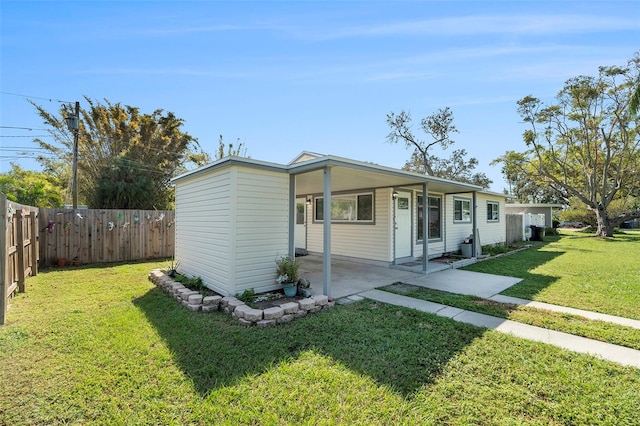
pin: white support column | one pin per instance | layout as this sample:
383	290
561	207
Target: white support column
425	227
326	220
292	215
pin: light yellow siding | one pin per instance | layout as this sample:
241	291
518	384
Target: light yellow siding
363	241
203	228
456	232
491	232
231	224
262	228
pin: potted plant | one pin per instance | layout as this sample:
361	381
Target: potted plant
172	268
287	274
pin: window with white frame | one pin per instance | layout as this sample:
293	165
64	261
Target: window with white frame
493	214
346	208
461	210
434	207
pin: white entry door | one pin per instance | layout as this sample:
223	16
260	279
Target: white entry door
300	231
403	225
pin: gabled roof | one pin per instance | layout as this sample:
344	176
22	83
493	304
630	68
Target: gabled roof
346	174
304	156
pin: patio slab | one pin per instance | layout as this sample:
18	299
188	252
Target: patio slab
349	277
465	282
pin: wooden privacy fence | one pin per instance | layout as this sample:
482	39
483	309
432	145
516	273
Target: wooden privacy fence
98	236
19	247
514	227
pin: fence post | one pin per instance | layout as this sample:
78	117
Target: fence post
4	281
35	242
20	249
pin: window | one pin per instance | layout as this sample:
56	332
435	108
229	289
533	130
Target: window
348	208
492	211
461	210
435	213
299	213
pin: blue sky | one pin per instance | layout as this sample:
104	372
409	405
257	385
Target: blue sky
284	77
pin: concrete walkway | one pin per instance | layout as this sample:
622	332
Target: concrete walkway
556	308
608	351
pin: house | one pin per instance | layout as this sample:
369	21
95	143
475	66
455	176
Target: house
534	209
235	216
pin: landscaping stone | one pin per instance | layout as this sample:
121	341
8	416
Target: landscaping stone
240	311
290	308
266	323
254	315
245	322
245	315
320	299
209	308
306	304
225	300
305	292
195	299
233	304
211	300
286	318
304	283
356	298
273	313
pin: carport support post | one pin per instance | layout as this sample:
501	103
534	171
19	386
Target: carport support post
474	223
326	220
425	227
292	215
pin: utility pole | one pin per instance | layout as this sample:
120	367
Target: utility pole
73	125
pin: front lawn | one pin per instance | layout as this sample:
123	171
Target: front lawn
567	323
104	346
576	270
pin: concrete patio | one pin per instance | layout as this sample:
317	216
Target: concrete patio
350	278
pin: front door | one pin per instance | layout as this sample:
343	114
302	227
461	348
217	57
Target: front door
300	229
403	225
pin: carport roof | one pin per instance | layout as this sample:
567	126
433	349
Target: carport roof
346	175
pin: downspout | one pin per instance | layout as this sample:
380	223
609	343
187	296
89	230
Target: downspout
292	215
326	220
425	227
474	224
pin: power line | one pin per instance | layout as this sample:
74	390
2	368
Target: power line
21	128
25	136
36	97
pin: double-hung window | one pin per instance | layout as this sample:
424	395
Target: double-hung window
461	210
492	211
346	208
434	207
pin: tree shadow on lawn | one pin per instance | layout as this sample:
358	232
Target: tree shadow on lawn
401	348
519	265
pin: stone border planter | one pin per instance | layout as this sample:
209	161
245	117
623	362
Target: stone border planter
245	315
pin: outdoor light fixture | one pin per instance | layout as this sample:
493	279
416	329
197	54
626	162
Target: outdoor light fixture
308	201
394	195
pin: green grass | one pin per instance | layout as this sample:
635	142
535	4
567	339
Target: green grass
103	346
573	324
576	270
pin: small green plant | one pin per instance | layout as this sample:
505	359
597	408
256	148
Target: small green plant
192	283
551	231
287	270
493	249
248	297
